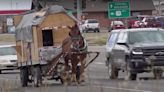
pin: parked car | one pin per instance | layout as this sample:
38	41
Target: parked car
91	25
8	57
133	22
135	51
150	22
160	19
116	24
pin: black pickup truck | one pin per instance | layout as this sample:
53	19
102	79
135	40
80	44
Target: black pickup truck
135	51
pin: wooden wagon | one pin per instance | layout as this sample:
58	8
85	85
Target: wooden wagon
39	36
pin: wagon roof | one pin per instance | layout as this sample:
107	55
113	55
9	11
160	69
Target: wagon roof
24	28
36	18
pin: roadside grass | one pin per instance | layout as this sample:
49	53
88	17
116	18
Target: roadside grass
96	38
7	38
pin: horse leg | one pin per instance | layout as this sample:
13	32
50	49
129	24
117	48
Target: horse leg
65	76
82	74
74	66
73	72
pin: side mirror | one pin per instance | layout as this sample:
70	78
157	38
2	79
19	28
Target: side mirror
123	43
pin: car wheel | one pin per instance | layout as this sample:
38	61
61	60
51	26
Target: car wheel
24	76
0	72
157	73
129	75
98	30
112	71
133	76
94	30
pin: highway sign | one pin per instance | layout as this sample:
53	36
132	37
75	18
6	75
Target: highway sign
118	9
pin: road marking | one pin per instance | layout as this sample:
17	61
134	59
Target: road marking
125	89
99	63
3	78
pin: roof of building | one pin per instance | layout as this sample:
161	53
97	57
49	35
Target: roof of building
101	6
12	7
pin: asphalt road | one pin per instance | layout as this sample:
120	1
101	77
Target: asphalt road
96	81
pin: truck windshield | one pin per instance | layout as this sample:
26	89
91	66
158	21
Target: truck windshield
146	37
7	51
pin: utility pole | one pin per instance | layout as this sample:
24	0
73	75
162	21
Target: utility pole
78	10
159	7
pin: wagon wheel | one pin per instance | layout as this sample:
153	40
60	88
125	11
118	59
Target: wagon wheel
24	76
61	72
37	77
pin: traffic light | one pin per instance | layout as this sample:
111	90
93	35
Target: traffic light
75	4
83	4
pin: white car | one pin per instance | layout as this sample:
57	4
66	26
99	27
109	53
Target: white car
8	57
91	25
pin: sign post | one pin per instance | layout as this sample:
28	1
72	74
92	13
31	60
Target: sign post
119	9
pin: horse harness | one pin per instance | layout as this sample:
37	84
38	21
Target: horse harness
78	48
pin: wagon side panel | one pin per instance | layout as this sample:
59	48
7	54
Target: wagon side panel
60	35
35	46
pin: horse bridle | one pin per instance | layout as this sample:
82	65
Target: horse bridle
78	48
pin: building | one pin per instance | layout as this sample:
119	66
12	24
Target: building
8	8
159	7
98	9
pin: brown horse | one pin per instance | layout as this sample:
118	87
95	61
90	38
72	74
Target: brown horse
75	49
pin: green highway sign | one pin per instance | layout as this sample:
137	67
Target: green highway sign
118	10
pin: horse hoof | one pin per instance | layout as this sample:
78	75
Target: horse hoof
65	84
82	83
74	83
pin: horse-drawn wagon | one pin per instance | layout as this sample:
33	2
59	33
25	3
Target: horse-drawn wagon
47	41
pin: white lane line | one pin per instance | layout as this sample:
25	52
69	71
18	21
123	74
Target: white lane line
9	79
99	63
125	89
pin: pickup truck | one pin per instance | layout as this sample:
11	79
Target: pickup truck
91	25
135	51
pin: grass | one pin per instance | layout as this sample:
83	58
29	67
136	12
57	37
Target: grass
96	38
92	38
7	38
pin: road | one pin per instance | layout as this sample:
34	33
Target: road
96	81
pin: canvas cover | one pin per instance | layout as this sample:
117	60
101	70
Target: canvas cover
24	28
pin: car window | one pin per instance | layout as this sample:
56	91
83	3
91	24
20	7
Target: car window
146	36
150	20
7	51
160	19
122	38
112	39
117	23
92	21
